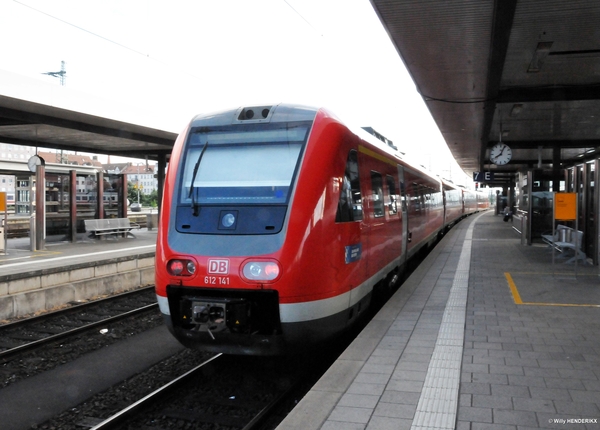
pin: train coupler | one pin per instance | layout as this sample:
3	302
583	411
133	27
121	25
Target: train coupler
216	315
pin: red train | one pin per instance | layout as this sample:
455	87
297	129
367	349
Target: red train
278	222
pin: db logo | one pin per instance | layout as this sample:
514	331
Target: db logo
220	267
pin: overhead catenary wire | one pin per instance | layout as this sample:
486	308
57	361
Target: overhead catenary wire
83	29
120	45
301	16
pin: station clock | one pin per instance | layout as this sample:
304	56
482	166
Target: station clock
500	154
35	161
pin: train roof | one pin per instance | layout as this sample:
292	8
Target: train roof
255	114
285	112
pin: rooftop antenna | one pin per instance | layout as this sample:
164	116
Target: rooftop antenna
62	74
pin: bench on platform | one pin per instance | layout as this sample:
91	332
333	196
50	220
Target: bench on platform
101	227
566	239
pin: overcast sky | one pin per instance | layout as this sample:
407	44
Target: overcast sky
181	58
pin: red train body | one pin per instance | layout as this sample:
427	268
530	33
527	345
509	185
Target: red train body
278	222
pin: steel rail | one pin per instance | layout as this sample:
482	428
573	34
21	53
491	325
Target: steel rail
130	411
52	338
257	421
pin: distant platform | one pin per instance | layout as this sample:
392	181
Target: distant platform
37	281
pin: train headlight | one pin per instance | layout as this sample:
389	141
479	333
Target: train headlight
181	267
261	270
228	220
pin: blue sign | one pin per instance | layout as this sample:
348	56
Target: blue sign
353	253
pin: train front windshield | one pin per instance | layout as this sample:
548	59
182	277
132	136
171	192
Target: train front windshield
236	166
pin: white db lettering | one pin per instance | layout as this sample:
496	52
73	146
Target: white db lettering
218	266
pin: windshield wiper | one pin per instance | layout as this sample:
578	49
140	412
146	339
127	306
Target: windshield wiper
192	187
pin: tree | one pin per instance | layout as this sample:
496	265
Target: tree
132	194
148	200
151	199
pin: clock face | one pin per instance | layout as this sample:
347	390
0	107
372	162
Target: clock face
500	154
34	161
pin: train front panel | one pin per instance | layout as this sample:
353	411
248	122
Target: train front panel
249	258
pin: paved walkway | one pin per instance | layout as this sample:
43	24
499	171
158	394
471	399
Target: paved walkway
486	334
530	365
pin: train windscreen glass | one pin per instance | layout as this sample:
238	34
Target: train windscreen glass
241	167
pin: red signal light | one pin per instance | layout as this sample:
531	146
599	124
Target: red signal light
181	267
272	270
175	267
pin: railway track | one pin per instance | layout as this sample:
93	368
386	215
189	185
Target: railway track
28	346
207	396
240	393
33	332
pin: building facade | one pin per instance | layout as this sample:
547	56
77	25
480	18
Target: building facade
140	174
10	152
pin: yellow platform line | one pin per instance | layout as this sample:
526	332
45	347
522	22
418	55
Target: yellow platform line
513	289
26	257
518	301
558	272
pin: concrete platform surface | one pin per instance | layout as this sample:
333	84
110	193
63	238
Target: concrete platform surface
65	272
485	334
58	252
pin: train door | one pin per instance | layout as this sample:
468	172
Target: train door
350	223
383	244
445	214
372	192
404	214
378	234
416	211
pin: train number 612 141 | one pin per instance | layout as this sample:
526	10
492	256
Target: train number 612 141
216	280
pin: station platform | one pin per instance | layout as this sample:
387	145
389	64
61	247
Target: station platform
58	252
485	334
35	281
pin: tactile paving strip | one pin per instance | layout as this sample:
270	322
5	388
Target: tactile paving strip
438	403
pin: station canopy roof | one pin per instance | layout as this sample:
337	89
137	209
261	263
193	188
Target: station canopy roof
35	113
524	72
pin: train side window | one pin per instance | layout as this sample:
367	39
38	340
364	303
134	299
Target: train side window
377	189
392	197
350	202
416	197
403	195
427	197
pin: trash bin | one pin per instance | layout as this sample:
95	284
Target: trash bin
564	235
